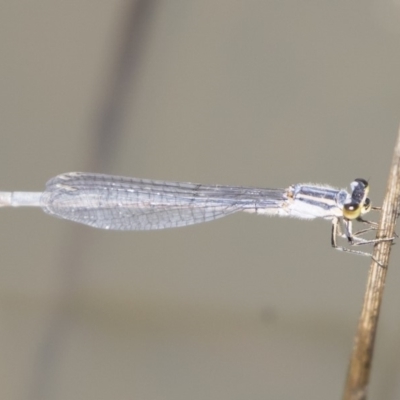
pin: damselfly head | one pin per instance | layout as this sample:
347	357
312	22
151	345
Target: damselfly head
359	203
359	187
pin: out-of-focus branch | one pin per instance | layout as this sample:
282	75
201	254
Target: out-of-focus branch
361	358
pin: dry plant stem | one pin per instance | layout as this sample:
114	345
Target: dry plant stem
361	358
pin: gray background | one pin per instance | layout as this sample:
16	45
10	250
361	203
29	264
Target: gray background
261	93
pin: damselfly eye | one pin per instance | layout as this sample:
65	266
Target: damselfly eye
351	210
366	206
362	181
359	192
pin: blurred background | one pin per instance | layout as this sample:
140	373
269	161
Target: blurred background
254	93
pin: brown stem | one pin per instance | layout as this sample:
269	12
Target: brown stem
361	358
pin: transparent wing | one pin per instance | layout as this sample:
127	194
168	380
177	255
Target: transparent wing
119	203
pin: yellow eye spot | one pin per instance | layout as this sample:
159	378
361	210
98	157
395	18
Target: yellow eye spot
351	210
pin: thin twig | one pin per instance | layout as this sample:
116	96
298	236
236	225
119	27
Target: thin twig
361	359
